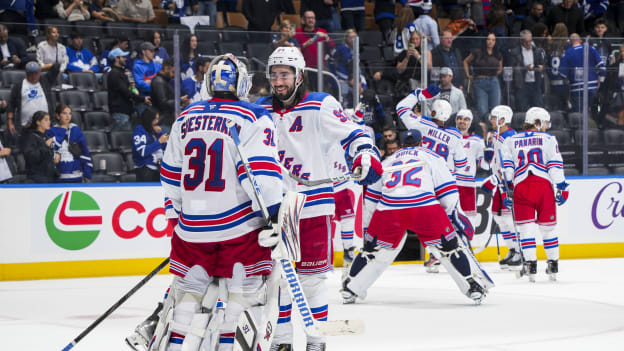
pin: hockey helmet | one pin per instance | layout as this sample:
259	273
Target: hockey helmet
287	56
535	114
466	113
503	112
226	73
442	110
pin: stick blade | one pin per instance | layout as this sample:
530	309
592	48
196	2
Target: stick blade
342	327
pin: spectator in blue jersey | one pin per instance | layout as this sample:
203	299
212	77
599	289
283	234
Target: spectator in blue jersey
286	36
559	89
16	12
105	63
188	57
192	86
75	164
174	8
80	59
160	53
149	142
342	61
592	10
352	14
572	68
145	69
12	51
403	29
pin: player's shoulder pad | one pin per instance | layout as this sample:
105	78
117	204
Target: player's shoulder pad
195	107
428	152
454	131
310	97
475	136
265	101
258	110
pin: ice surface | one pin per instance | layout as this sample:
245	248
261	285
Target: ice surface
406	309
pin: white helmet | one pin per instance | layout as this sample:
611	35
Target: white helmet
287	56
226	73
502	112
466	113
442	110
537	114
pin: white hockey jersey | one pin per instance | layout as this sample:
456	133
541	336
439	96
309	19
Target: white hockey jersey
473	147
306	133
431	183
445	142
495	165
536	153
205	183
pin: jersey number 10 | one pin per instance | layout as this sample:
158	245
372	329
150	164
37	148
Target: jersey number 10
197	164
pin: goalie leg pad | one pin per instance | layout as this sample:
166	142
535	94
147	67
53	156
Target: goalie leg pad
551	241
164	318
527	241
368	265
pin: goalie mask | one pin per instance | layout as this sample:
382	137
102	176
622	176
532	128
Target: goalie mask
227	74
287	56
535	114
502	112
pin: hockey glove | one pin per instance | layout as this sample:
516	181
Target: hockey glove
370	169
489	184
562	193
426	94
508	200
488	154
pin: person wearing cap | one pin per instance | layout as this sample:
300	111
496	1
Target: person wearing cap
449	92
31	95
80	59
105	62
145	69
121	99
137	11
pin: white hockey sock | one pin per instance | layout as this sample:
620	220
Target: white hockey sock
551	241
347	226
284	329
315	291
527	240
505	223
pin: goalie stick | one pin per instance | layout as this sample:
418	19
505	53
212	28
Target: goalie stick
356	176
312	327
116	305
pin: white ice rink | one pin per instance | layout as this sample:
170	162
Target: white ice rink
407	309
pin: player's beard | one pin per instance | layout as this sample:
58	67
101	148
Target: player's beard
284	94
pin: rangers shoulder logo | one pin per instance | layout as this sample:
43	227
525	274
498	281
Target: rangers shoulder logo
73	220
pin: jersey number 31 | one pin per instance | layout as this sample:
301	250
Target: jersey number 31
196	148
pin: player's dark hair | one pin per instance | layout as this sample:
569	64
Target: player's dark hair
528	126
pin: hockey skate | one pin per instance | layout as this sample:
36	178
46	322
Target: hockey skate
139	340
476	291
552	269
432	265
281	347
315	347
528	269
348	296
512	261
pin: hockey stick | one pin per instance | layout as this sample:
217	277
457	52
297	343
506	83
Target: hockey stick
117	304
513	214
330	180
288	271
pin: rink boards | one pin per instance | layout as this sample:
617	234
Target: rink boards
87	230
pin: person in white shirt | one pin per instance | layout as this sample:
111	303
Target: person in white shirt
50	51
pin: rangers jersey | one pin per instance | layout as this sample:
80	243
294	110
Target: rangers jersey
205	183
424	185
445	142
306	133
473	147
534	153
496	165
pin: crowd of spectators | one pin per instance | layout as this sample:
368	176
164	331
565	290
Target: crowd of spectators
482	54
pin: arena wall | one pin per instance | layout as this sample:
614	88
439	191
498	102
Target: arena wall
89	230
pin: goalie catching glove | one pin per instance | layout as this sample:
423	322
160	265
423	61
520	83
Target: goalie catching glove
366	163
562	193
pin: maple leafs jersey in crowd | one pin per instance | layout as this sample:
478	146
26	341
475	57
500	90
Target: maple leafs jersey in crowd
205	183
306	133
534	152
445	142
424	185
473	147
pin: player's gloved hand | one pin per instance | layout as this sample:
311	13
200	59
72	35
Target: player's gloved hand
269	236
508	200
562	193
488	154
432	90
366	163
489	184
